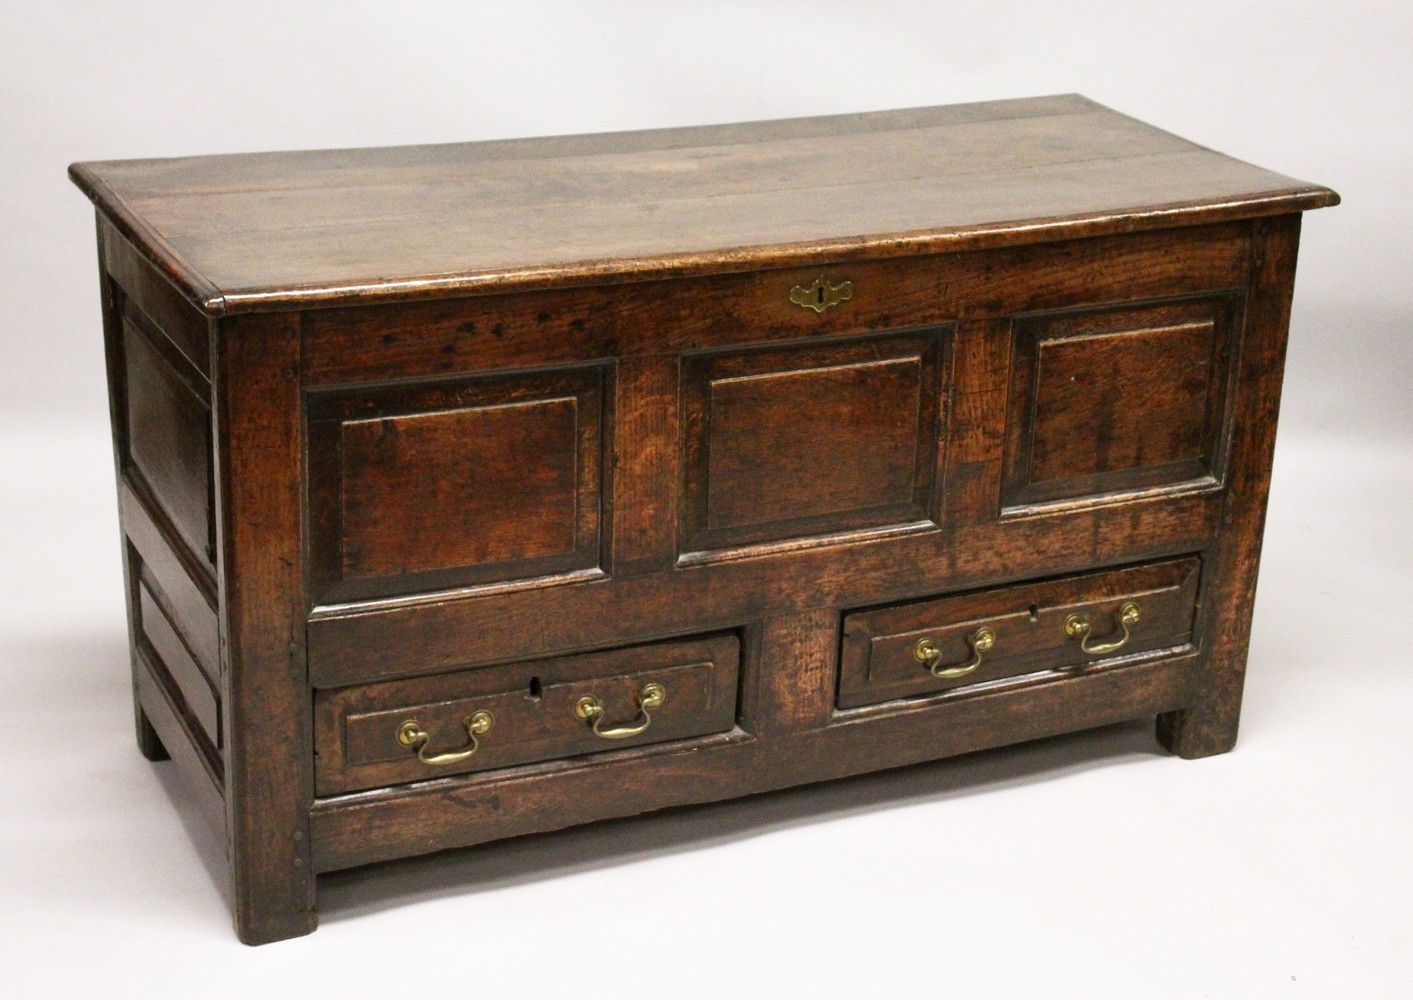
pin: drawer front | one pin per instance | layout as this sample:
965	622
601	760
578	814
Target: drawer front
476	720
927	647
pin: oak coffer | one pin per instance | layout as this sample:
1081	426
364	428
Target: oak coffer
474	490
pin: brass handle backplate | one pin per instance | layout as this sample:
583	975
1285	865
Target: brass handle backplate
591	710
930	656
1079	627
822	294
413	736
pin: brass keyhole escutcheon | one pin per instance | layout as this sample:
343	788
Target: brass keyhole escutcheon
822	294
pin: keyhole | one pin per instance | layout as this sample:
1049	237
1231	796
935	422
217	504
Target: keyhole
819	294
534	689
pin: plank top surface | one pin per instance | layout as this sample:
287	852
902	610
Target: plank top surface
294	229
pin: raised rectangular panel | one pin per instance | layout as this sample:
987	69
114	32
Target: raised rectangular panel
168	433
428	486
1119	400
810	441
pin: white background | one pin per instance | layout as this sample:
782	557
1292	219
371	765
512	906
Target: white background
1087	866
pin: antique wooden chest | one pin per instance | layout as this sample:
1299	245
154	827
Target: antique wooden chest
474	490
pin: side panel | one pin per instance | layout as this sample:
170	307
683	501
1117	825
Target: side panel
160	402
169	435
1210	726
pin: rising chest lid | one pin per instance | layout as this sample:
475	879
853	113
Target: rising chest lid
265	231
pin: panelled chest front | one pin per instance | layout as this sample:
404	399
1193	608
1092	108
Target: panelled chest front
593	475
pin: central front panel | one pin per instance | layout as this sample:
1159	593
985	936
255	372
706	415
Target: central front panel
811	441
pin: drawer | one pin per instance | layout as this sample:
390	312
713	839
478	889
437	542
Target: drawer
926	647
475	720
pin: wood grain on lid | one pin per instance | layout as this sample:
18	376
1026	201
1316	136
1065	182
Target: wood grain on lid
285	230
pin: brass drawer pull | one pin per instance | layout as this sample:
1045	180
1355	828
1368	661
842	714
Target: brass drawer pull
590	709
1079	627
822	294
930	656
410	734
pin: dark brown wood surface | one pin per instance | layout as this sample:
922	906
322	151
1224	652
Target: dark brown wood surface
374	826
168	437
1209	726
185	585
199	693
878	660
533	711
1112	400
111	301
147	293
810	547
268	704
430	451
810	440
427	486
404	638
276	230
716	313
